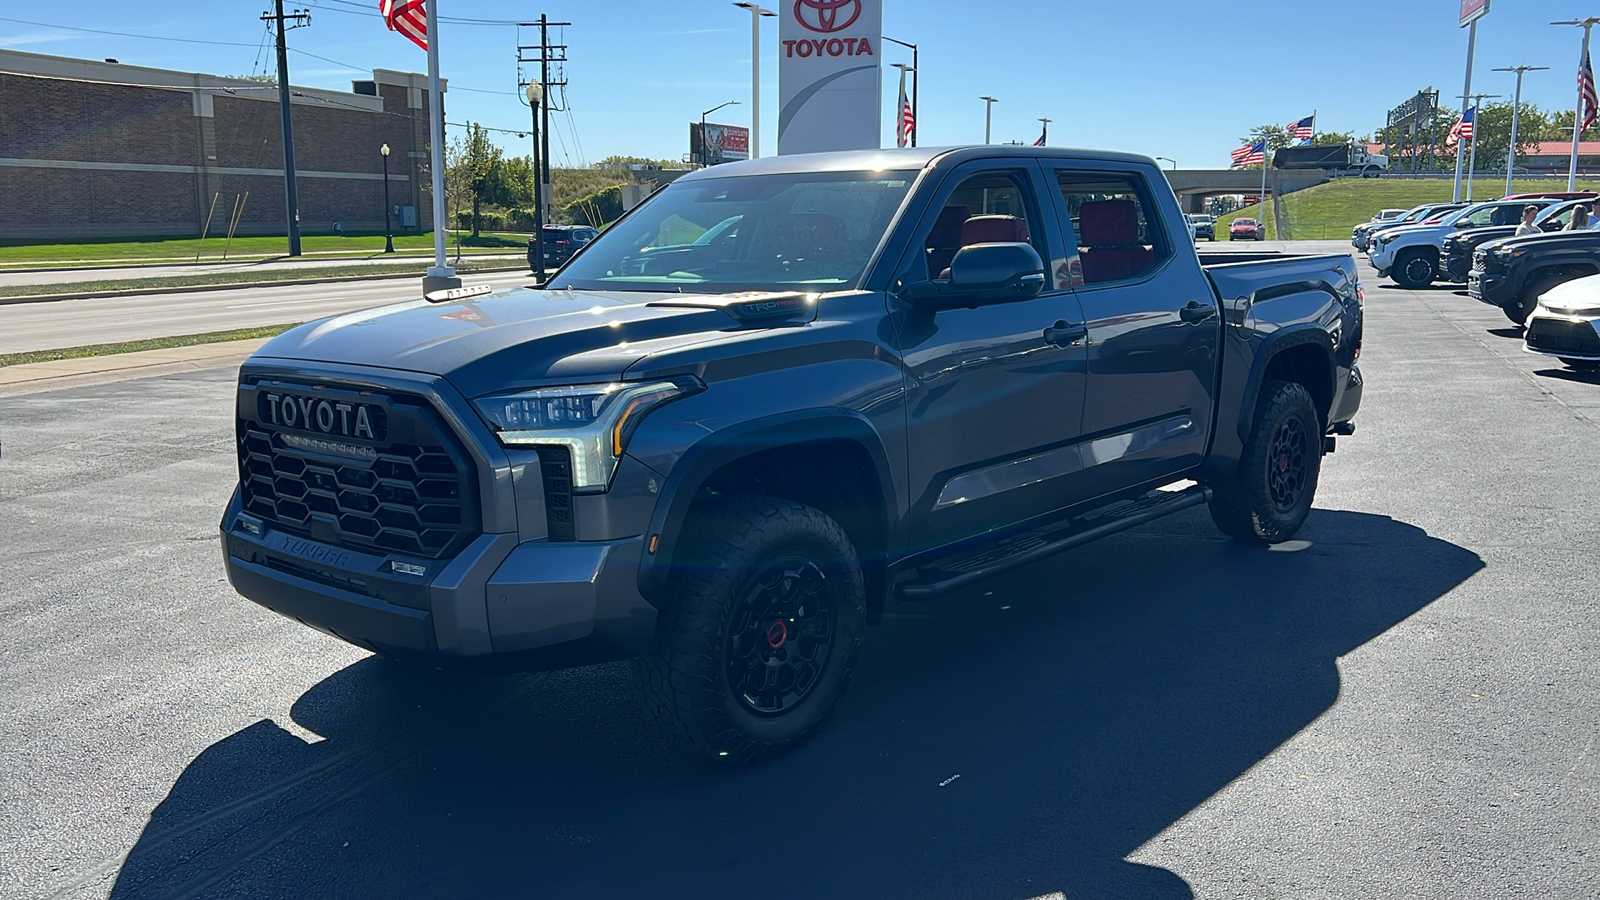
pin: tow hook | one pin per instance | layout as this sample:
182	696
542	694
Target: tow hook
1344	428
1329	444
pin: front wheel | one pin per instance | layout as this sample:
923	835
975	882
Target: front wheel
1415	269
1522	306
1268	499
759	635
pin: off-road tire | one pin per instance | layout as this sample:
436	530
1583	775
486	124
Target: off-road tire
1246	506
1413	269
687	682
1519	308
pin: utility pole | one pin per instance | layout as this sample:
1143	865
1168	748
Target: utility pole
544	53
988	107
291	208
756	13
1516	114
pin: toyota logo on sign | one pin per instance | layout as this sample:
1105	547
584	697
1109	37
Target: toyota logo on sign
827	16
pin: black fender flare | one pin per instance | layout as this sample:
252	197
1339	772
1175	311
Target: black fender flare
728	445
1293	336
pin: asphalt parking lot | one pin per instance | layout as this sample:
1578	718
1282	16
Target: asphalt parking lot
1401	704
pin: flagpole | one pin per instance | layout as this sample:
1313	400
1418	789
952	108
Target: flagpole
440	275
1472	155
1263	197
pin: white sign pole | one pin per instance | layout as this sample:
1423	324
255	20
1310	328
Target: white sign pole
436	144
1466	97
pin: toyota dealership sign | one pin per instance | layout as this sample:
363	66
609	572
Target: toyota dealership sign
830	75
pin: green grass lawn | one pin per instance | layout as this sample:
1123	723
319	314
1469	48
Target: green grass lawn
1331	210
180	249
186	340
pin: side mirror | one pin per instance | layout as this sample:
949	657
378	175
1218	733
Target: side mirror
981	275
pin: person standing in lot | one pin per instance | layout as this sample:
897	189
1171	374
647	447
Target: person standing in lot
1527	226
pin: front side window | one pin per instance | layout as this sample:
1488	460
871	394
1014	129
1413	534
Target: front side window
813	231
987	208
1118	231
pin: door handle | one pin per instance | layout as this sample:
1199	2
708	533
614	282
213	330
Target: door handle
1063	333
1195	312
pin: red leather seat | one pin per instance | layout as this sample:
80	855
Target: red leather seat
1109	232
991	230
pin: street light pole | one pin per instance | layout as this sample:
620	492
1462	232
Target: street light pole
1173	161
916	81
1477	123
1577	112
536	97
988	108
388	228
756	13
1472	42
1516	114
701	150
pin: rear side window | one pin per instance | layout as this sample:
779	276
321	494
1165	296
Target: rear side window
1118	232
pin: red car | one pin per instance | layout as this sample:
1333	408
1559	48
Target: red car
1552	195
1247	229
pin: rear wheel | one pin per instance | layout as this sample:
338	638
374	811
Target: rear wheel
1416	268
1523	305
760	631
1268	499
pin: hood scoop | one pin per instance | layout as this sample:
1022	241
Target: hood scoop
756	309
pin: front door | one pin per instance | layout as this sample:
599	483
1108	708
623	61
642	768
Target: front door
1154	327
994	394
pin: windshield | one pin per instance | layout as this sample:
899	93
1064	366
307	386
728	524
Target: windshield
812	231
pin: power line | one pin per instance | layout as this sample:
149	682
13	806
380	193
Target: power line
147	37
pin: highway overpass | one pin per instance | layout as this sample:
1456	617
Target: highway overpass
1193	186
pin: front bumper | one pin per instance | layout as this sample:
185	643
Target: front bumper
1458	265
1568	337
1492	288
530	605
1382	258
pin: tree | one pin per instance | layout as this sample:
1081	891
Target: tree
622	162
479	171
1560	128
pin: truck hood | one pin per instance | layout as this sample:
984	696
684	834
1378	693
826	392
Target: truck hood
1550	240
510	338
1390	235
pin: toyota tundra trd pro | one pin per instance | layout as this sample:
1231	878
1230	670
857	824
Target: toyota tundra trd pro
885	375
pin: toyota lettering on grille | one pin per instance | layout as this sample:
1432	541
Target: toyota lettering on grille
324	415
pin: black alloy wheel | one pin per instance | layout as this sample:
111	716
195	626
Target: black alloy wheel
1520	307
1286	465
1415	270
780	636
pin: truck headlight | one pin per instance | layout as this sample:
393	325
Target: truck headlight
593	421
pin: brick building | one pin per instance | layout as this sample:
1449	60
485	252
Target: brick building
101	150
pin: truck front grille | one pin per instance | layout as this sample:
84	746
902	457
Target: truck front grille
412	493
1563	336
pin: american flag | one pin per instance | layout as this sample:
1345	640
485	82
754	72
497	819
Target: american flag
1301	130
1462	129
408	17
1250	154
907	124
1043	134
1591	102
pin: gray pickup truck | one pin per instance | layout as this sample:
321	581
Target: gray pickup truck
771	400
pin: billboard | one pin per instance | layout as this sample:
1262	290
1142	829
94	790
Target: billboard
1473	10
830	75
710	144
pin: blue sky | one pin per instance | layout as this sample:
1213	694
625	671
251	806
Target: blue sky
1163	77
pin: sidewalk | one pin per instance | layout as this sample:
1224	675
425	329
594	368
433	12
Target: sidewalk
33	378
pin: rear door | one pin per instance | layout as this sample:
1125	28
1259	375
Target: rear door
1154	326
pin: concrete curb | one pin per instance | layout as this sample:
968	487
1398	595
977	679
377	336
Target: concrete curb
309	261
189	289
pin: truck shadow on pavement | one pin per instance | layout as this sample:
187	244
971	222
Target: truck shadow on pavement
1017	740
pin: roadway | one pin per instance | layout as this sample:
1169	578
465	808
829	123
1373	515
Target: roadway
14	276
102	320
1399	704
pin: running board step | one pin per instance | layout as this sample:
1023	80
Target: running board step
1020	550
